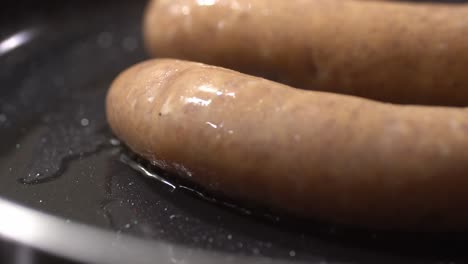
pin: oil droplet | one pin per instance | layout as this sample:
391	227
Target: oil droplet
292	253
84	122
197	101
211	125
114	142
229	237
130	44
105	40
64	138
126	160
206	2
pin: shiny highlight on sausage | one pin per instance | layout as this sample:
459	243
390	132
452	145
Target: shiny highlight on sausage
326	156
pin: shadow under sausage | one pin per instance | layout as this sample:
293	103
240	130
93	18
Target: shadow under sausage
308	239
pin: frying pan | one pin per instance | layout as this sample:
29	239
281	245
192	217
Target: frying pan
70	192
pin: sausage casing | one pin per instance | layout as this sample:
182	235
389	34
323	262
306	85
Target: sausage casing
392	51
333	157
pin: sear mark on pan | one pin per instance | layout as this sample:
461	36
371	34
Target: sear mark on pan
64	139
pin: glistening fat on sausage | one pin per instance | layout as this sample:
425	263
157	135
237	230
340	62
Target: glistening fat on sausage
327	156
392	51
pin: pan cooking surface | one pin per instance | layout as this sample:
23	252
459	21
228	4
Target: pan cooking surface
57	154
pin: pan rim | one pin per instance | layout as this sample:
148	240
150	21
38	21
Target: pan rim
80	242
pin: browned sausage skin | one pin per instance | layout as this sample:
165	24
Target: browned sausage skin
314	154
392	51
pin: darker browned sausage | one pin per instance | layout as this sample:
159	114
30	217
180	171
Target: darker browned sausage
387	50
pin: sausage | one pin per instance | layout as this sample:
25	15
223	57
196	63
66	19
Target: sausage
318	155
400	52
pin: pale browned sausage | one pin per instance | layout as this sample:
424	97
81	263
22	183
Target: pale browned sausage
314	154
387	50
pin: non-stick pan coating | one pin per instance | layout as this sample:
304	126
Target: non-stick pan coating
57	154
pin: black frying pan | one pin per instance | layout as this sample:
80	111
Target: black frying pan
57	156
